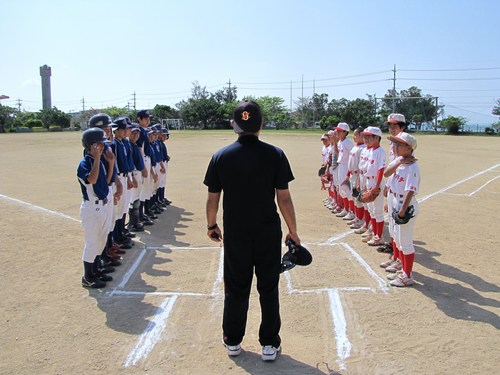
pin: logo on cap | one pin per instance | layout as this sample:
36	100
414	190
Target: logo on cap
245	116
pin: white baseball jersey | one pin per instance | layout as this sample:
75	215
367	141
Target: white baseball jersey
344	147
354	157
406	178
375	162
325	153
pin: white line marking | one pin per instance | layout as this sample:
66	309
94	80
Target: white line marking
371	272
424	198
475	191
220	272
340	326
334	239
185	248
130	271
151	335
38	208
129	293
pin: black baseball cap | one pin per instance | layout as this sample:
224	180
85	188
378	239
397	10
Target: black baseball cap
144	113
121	123
247	117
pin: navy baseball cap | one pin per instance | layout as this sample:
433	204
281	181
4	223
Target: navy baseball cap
135	127
165	131
247	117
144	113
121	123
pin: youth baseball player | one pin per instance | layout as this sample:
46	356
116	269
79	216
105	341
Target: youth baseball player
94	179
405	184
374	175
353	176
344	146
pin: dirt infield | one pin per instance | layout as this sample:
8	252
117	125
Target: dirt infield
162	313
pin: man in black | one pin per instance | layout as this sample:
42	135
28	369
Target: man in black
251	173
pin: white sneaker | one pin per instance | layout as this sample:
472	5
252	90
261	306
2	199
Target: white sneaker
232	350
361	230
387	263
358	224
349	216
269	352
393	276
342	213
394	267
402	281
375	241
367	233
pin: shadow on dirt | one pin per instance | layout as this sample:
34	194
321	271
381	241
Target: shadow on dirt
453	298
284	364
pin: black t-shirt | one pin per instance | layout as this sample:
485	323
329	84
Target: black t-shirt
248	171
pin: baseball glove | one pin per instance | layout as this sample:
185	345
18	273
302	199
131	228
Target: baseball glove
371	194
355	192
296	255
406	218
322	171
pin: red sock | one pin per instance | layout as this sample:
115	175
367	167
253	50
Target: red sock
380	228
346	204
373	222
408	263
395	254
335	197
360	213
368	218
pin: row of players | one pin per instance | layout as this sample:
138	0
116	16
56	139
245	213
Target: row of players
350	169
124	169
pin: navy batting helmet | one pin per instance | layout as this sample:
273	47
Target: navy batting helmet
100	120
93	135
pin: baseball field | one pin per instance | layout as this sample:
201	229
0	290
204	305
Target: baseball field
162	312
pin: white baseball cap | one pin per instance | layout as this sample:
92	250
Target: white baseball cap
406	138
343	126
372	130
394	118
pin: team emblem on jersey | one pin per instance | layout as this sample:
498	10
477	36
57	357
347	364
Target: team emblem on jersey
245	116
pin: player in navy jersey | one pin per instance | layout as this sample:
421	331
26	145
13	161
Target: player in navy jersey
94	179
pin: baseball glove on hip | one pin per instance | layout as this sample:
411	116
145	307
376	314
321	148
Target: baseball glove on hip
406	218
371	194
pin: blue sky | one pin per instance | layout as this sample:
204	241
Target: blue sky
106	50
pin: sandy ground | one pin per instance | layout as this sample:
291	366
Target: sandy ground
162	312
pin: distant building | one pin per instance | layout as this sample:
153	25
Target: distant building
45	73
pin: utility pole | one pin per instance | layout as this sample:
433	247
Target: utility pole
133	95
314	105
19	101
83	104
394	90
229	92
302	98
290	98
375	100
437	112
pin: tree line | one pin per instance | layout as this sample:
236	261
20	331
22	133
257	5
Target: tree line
206	110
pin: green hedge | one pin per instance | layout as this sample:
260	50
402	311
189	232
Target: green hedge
38	129
55	128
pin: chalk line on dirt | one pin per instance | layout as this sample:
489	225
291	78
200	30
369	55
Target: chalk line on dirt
38	208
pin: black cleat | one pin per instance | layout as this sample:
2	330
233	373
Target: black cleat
92	282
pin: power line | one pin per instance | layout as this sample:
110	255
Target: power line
448	70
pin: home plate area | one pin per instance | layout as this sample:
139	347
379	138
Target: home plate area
179	292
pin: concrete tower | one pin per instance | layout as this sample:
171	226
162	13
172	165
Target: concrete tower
45	73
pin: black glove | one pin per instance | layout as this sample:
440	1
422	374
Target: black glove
296	255
406	218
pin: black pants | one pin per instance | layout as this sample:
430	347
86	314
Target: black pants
243	253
